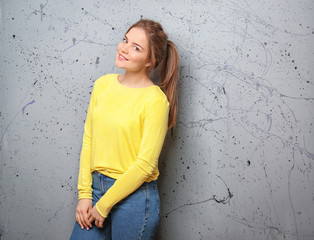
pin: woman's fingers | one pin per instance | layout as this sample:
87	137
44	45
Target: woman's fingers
100	224
82	220
78	219
87	223
95	216
92	219
96	223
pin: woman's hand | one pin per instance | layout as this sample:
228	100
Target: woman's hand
83	213
95	216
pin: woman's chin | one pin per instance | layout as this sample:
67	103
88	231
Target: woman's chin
118	64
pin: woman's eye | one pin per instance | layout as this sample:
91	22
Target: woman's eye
136	48
124	40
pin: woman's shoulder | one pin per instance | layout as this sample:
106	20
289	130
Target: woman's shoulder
104	82
106	78
155	96
156	93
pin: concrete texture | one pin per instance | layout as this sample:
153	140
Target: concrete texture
238	166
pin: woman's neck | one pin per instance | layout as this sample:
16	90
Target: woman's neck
135	80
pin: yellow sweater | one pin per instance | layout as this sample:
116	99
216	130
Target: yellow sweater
123	136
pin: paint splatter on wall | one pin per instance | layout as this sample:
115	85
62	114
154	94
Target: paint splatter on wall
239	164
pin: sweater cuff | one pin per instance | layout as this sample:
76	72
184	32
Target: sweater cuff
85	196
102	211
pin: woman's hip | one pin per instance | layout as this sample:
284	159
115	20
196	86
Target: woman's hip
136	216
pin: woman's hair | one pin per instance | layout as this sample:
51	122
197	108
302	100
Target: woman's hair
163	55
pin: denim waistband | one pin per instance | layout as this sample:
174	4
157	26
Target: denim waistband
96	173
99	174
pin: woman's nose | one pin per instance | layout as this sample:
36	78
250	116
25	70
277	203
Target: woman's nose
125	48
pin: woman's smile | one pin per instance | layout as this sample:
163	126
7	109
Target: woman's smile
122	58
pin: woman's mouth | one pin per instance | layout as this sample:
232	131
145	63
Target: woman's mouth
122	58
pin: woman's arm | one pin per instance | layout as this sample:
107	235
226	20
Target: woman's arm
84	206
154	131
85	177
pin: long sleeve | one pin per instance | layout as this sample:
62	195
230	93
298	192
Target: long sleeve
85	177
154	130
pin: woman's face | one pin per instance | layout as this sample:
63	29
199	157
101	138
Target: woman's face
133	51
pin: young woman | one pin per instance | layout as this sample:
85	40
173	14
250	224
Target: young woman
127	121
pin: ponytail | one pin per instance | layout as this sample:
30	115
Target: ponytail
169	80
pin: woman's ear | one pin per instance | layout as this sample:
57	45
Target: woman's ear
148	64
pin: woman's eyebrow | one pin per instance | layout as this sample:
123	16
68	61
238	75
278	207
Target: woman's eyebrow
134	42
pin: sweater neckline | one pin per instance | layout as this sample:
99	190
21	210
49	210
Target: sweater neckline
130	88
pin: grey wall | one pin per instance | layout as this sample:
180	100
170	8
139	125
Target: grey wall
240	162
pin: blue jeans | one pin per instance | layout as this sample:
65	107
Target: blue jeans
133	218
